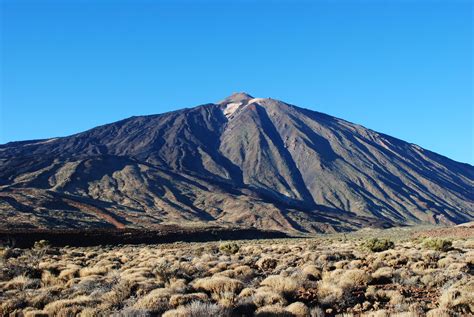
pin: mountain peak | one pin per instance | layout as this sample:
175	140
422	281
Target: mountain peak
234	102
237	97
260	162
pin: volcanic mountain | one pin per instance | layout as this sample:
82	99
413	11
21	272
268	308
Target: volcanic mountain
241	162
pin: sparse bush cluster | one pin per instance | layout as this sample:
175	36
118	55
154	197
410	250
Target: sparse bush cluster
438	244
378	245
322	276
229	248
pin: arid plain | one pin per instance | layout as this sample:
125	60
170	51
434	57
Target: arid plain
392	272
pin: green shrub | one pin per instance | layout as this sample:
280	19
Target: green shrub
229	248
437	244
41	244
378	245
5	253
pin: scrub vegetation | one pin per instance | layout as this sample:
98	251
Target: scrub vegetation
345	275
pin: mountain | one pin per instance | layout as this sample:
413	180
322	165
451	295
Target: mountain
241	162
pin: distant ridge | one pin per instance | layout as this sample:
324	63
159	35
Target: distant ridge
242	161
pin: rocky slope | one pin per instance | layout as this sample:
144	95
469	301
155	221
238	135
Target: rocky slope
244	161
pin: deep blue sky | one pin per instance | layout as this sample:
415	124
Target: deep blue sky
402	67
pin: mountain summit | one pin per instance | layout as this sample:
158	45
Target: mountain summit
243	161
237	97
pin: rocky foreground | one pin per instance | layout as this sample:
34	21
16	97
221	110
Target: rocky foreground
395	274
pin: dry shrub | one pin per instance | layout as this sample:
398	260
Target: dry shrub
223	264
165	271
355	264
7	307
218	284
22	282
439	312
383	275
283	285
156	301
198	309
244	272
335	287
298	309
430	257
312	272
418	266
48	264
226	273
90	312
247	292
178	285
341	264
69	272
470	260
49	279
459	297
371	292
213	271
88	285
44	296
316	312
458	267
387	313
265	297
329	293
143	278
272	311
266	263
188	268
378	313
244	306
407	277
64	306
374	294
225	299
376	263
445	262
118	294
35	313
354	278
131	312
96	270
434	278
184	299
396	298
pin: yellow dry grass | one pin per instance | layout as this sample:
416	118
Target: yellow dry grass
327	275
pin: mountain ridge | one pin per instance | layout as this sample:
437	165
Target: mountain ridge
244	161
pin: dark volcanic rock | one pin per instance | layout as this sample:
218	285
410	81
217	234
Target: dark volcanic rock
244	161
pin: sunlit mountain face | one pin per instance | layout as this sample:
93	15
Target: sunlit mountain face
243	161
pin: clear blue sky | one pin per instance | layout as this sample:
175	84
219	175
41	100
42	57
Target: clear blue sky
402	67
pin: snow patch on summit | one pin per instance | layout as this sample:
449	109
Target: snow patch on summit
230	108
257	100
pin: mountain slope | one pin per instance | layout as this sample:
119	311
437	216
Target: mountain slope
243	161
